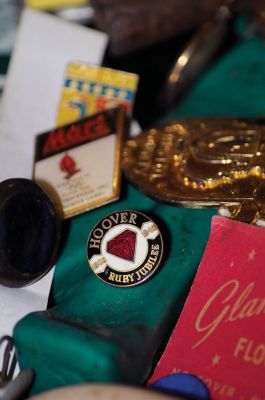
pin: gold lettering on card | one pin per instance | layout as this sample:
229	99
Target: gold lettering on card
232	303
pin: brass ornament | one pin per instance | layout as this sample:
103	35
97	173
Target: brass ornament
200	162
252	211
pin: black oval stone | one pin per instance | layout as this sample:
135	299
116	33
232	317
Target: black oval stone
29	232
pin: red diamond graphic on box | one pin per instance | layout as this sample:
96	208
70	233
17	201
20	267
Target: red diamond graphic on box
123	245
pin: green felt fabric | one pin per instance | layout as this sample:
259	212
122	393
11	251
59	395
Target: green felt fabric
96	332
233	87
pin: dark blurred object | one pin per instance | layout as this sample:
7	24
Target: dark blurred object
19	387
167	66
255	11
135	24
197	54
183	384
152	64
168	69
29	232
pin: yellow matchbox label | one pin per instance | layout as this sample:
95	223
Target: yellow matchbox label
90	89
54	4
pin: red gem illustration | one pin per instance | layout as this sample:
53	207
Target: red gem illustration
68	164
123	245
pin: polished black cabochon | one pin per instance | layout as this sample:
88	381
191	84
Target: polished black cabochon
29	232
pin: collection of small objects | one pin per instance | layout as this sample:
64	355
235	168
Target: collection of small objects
76	134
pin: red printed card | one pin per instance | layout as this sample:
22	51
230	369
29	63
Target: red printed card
220	335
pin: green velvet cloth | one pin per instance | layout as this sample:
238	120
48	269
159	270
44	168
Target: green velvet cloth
233	87
96	332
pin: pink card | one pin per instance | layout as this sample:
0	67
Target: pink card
220	335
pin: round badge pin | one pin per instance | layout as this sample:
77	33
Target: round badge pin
125	248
